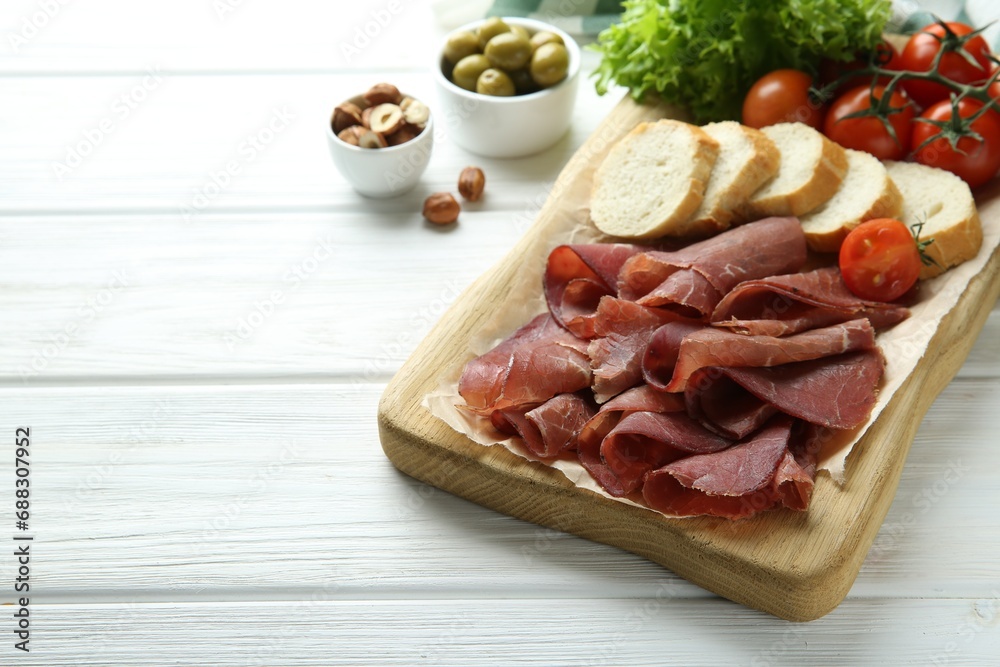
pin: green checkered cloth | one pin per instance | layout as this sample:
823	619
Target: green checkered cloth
577	17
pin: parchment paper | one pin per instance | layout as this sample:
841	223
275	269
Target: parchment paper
904	345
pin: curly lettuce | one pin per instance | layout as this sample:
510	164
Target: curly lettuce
705	54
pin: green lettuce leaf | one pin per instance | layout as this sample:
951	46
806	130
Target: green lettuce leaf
705	54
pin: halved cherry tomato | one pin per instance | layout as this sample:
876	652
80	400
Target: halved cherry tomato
879	260
869	133
974	161
782	96
921	49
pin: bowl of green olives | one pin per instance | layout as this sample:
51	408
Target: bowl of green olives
507	86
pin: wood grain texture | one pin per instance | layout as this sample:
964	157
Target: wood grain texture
797	566
325	631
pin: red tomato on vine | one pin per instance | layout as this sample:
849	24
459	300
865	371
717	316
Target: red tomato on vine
922	48
974	160
869	133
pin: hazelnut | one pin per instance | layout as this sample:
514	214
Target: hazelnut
441	208
471	183
346	115
370	139
352	135
385	118
405	133
382	93
366	117
414	111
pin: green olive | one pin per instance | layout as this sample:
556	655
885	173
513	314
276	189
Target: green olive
549	64
523	82
508	51
490	29
545	37
521	30
459	45
496	83
468	69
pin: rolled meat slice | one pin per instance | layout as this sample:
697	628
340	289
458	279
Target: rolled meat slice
694	279
549	429
662	351
787	304
769	469
717	347
588	441
577	276
644	441
535	363
616	355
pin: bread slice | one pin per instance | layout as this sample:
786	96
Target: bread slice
812	168
747	160
866	192
944	203
652	180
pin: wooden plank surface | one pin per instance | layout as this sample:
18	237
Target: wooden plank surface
797	566
169	528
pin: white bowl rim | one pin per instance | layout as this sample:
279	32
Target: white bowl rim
428	127
575	57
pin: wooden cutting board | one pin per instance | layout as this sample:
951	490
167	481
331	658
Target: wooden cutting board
795	565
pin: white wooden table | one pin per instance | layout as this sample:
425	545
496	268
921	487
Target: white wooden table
199	362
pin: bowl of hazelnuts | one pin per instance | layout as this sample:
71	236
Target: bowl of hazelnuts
507	86
381	140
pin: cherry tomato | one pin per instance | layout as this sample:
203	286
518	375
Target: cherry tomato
869	134
886	56
879	260
922	48
975	161
782	96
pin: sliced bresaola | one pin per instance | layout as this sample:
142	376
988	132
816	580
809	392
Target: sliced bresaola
588	441
549	429
723	406
835	392
535	363
644	441
764	471
577	276
694	279
786	304
717	347
662	351
623	329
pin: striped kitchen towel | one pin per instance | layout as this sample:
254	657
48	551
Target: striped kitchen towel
577	17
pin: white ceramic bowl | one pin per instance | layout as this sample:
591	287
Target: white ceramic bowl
509	126
382	172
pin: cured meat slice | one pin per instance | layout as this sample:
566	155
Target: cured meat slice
588	441
756	474
782	305
577	276
549	429
662	351
716	347
836	392
644	441
723	406
538	361
616	356
694	279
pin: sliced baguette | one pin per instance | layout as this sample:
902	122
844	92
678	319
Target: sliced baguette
747	160
866	192
652	180
812	168
943	203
